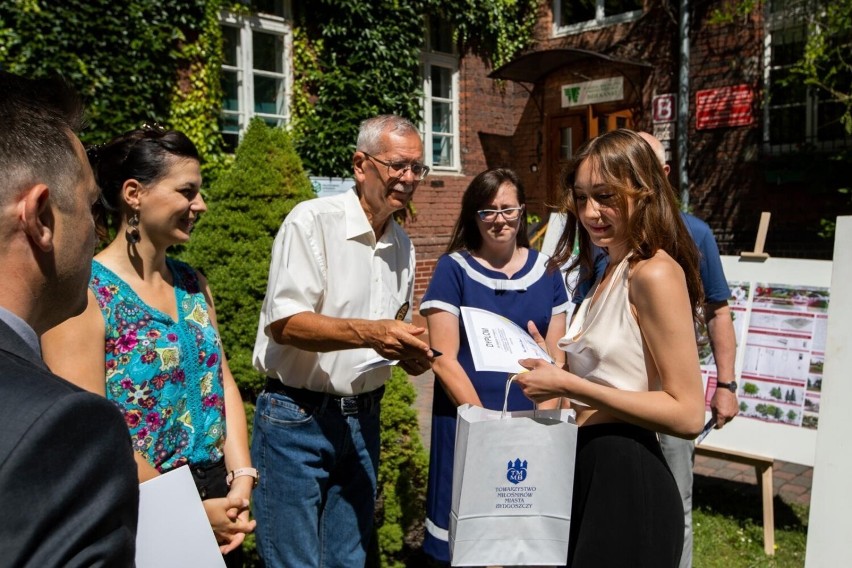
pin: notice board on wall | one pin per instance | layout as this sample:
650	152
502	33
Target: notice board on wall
780	310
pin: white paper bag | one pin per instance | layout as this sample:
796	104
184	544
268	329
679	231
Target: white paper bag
513	482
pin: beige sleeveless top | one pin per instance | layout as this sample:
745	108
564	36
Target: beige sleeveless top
604	344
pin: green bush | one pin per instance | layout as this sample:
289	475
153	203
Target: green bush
403	469
233	240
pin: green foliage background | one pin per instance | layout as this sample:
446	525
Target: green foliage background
232	242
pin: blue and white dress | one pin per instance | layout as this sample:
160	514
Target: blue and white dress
532	294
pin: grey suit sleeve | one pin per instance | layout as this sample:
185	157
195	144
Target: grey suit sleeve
69	488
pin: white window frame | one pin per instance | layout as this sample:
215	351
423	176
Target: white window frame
429	60
247	25
601	19
793	17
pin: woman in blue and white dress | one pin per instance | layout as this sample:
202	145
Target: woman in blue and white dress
488	265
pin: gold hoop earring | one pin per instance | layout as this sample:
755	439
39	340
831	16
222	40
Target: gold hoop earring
132	233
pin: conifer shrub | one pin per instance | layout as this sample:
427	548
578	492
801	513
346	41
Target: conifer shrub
232	243
403	471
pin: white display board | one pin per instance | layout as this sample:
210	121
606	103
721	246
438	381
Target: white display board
831	495
780	308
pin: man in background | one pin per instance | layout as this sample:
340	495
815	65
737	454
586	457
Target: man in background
67	475
680	453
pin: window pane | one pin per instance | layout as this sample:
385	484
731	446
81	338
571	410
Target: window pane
781	93
230	43
230	90
829	127
230	123
615	7
442	151
440	35
787	125
621	122
274	7
442	117
787	46
603	124
267	51
268	95
273	122
565	150
441	82
576	11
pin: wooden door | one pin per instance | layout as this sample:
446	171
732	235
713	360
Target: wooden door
565	135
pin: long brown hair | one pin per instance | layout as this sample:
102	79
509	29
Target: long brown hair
627	164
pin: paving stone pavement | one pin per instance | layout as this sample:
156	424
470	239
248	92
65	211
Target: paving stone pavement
791	482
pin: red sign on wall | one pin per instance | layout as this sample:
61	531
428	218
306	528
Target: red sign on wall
724	107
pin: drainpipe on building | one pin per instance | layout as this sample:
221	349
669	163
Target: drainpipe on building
683	103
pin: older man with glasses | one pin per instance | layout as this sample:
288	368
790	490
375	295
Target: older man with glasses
340	284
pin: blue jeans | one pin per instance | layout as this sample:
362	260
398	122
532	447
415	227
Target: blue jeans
315	500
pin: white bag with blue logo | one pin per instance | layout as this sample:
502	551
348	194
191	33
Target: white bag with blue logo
513	482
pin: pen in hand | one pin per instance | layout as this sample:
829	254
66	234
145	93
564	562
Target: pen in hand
707	429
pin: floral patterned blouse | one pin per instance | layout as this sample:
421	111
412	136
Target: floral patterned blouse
165	376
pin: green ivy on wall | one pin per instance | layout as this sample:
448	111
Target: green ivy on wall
123	57
196	95
353	60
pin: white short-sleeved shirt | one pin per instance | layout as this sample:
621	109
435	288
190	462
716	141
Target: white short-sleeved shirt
326	260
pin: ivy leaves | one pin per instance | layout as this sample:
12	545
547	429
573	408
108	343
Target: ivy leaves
122	57
355	59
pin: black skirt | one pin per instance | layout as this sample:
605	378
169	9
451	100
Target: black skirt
627	511
210	482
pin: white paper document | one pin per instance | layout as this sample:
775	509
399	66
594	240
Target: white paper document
375	363
173	528
497	343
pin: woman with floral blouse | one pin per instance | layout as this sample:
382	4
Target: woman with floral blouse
148	339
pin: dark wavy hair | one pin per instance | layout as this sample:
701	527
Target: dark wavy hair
628	166
481	190
143	154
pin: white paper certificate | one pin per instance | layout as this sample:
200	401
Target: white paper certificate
497	343
173	527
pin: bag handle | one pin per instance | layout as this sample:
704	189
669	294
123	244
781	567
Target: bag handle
506	398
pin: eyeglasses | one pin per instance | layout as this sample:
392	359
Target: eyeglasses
510	214
398	169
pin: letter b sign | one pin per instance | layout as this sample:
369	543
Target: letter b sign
664	108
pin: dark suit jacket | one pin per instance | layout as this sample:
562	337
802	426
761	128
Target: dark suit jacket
69	494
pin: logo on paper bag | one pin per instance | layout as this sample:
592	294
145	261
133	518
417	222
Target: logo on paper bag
516	471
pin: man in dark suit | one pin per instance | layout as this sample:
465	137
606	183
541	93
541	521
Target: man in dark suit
68	483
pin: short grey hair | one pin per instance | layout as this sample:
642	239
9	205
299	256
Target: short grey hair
372	129
39	120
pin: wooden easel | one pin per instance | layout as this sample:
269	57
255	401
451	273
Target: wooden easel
757	255
763	471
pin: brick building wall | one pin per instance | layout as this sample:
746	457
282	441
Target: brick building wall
731	178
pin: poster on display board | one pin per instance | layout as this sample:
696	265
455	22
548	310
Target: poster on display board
780	311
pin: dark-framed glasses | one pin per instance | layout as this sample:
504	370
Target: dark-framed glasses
510	214
398	169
